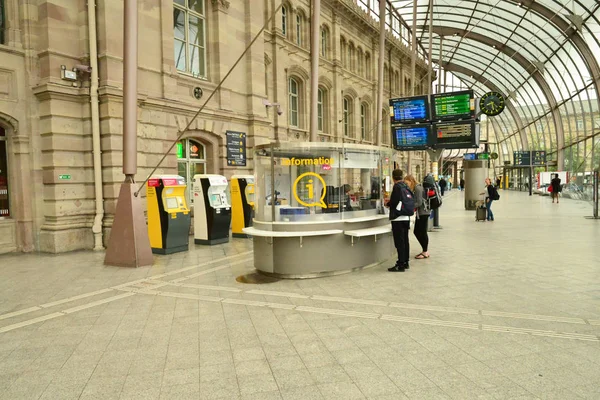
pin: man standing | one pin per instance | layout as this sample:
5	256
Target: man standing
402	206
443	185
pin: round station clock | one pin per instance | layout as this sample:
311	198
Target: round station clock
491	103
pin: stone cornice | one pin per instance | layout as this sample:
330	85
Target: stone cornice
49	91
220	5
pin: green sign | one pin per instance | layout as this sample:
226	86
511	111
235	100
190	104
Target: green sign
483	156
64	177
453	105
180	150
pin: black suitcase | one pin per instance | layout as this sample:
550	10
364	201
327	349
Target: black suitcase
481	213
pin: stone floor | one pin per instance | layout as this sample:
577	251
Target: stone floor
502	310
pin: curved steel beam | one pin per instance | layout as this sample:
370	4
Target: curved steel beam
509	105
529	68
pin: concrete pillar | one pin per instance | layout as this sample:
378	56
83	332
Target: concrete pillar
475	172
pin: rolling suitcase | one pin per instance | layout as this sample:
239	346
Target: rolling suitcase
480	213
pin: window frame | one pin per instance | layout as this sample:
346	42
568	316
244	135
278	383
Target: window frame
299	23
291	97
187	13
4	140
284	20
364	121
347	111
189	161
320	114
324	44
2	21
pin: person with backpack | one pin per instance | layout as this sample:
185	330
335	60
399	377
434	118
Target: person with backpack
492	194
443	184
422	215
555	188
402	207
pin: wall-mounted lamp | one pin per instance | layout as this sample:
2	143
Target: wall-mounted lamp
268	104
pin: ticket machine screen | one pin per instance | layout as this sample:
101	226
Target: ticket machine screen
215	200
172	203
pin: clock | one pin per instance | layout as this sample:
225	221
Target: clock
491	103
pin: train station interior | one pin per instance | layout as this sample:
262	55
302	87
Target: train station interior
194	199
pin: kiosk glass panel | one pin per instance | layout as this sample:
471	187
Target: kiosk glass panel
215	200
319	181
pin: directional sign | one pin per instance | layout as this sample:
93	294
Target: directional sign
236	148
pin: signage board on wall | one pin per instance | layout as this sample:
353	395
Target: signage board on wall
236	148
457	135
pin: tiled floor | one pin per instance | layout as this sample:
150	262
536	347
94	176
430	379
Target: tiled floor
502	310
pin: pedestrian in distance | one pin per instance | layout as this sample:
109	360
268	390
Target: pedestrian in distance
402	207
443	185
555	188
462	184
421	215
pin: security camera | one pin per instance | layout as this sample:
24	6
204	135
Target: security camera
83	68
279	110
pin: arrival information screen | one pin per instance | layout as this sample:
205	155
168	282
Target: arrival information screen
413	138
455	134
407	110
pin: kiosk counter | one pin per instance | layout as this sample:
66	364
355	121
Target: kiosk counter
319	209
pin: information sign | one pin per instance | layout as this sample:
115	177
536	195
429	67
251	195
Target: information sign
416	137
456	135
408	110
453	106
483	156
522	158
539	157
236	148
470	156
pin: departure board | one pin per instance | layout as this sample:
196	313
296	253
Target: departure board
527	158
539	157
408	110
412	138
453	106
456	135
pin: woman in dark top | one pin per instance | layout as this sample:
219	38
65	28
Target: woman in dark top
422	215
490	191
556	188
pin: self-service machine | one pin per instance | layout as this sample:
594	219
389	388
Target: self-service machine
242	204
212	209
168	214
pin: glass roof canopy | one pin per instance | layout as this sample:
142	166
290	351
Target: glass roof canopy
542	55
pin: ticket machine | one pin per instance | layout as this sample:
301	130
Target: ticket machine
242	204
212	209
168	214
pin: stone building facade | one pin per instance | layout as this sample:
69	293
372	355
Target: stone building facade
47	196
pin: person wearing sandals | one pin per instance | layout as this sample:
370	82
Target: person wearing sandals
422	215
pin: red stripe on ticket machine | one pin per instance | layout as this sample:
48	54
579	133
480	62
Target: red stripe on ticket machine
170	182
153	182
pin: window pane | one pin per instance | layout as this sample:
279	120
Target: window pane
197	61
196	150
179	24
196	168
196	5
196	31
4	207
284	20
180	62
181	150
180	2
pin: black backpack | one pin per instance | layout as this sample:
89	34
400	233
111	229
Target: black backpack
408	201
495	194
432	193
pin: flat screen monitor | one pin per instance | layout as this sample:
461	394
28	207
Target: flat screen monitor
215	200
416	137
453	106
409	110
172	203
456	135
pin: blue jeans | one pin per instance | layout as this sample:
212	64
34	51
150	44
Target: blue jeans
490	214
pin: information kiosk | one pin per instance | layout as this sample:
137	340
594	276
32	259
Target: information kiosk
242	204
168	214
212	209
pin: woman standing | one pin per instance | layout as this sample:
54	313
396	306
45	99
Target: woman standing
422	215
556	188
491	191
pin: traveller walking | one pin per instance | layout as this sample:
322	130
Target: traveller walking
422	215
402	207
462	184
443	185
556	188
491	196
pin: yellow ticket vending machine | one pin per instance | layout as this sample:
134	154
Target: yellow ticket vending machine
168	214
242	204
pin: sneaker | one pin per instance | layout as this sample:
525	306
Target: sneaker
397	268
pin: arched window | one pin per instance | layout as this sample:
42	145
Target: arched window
284	20
299	27
385	127
364	121
368	66
191	160
321	110
361	62
347	116
294	100
386	78
351	61
396	82
190	37
324	41
4	203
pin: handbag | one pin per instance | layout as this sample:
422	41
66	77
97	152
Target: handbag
550	189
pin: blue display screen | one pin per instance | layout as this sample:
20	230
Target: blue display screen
470	156
411	138
409	109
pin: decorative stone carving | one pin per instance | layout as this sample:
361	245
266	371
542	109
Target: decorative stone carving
220	5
